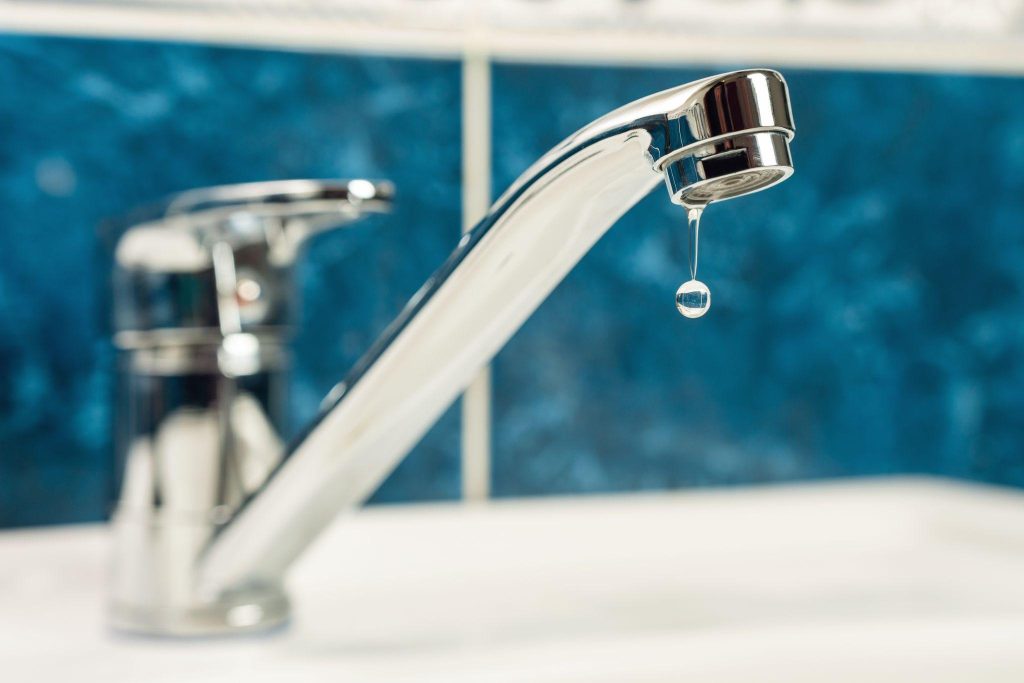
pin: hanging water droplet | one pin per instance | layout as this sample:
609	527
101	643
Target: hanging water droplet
693	298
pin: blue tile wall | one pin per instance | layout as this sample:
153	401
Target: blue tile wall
868	314
867	318
89	129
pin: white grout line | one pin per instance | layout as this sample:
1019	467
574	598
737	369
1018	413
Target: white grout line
476	438
476	200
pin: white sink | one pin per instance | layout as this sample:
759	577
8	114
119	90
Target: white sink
877	580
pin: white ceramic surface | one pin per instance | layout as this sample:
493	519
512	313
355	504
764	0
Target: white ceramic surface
897	580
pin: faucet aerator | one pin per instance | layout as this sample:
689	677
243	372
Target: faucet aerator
728	167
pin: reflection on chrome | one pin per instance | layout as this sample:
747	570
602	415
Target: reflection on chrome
709	140
201	299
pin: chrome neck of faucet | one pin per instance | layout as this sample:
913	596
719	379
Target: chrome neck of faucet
709	140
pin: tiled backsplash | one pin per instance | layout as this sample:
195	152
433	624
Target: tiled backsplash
91	129
868	314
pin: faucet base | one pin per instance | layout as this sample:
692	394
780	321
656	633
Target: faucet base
251	611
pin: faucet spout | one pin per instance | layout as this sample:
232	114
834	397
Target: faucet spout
709	140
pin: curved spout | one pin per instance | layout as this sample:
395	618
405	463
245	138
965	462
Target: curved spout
712	139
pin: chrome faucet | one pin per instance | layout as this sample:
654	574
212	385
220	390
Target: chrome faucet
220	570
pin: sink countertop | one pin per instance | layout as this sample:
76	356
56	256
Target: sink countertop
866	580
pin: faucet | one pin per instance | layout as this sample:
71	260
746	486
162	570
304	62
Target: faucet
220	570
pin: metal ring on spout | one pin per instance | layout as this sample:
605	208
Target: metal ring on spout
728	166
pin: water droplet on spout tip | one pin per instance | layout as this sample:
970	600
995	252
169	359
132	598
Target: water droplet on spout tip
693	299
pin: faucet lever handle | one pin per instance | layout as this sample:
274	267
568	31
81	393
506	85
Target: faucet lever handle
169	262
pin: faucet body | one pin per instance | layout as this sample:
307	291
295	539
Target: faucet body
709	140
202	298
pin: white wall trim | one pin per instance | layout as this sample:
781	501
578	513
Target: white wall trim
797	41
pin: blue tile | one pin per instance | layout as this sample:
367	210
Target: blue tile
92	128
868	314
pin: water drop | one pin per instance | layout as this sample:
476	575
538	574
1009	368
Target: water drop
693	298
